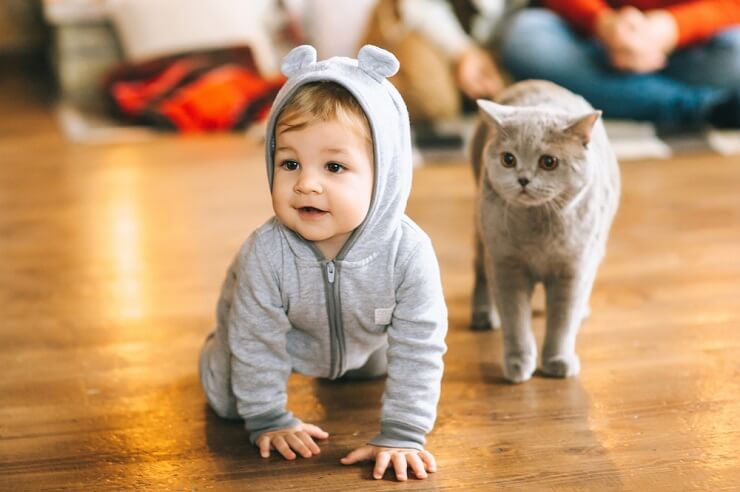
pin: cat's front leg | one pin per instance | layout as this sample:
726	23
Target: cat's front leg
513	293
484	315
567	299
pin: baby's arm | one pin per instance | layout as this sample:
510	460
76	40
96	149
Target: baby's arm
260	364
415	349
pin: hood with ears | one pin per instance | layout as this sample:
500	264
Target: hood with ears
366	79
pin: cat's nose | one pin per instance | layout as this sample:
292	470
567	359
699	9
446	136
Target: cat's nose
523	181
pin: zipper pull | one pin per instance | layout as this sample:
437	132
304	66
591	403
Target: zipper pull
330	271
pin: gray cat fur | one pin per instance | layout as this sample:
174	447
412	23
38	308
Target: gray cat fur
556	233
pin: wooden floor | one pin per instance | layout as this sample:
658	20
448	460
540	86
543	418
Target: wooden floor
111	259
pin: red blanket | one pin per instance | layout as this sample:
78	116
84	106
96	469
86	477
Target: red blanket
194	92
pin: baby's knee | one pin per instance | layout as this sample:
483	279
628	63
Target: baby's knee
214	367
223	406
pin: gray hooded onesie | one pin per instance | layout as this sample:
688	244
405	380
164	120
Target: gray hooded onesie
284	307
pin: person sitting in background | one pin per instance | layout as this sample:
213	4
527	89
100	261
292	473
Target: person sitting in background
675	63
445	48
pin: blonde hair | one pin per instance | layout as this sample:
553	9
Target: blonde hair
322	101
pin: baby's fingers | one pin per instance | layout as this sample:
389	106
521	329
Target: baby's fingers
297	445
310	444
359	454
381	464
417	466
429	461
400	465
264	445
282	447
315	431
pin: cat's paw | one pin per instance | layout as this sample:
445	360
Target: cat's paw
561	366
485	320
519	367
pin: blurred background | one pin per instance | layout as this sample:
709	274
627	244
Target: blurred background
121	70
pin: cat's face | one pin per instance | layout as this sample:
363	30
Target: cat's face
535	156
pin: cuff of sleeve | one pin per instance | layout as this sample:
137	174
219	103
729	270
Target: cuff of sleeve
269	421
399	435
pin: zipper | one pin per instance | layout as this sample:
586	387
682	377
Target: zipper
336	334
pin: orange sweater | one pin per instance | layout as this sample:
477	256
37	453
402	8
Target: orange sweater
697	20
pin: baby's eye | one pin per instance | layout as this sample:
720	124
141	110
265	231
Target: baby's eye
508	159
289	165
335	167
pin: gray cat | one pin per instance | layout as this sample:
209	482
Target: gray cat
548	189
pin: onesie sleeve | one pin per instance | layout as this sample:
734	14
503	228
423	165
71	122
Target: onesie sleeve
258	327
415	349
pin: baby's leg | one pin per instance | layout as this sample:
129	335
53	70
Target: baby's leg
375	367
215	376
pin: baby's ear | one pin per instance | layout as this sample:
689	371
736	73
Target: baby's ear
377	62
297	59
582	126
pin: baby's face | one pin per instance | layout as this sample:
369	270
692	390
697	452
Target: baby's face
322	182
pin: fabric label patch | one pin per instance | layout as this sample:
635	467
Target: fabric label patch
383	316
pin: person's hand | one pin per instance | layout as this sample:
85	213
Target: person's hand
663	27
420	462
477	75
636	41
616	29
289	441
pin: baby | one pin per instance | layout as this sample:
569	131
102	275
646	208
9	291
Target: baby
340	283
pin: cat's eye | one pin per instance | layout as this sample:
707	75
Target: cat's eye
508	159
548	162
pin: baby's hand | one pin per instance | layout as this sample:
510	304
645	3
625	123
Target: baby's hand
285	441
420	462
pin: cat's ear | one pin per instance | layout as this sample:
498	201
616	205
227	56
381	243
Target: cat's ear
493	113
582	127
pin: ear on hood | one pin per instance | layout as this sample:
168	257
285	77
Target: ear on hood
376	62
298	59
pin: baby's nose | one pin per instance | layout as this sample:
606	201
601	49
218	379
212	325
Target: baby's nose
307	183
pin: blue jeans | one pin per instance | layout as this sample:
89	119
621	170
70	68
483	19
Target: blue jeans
538	44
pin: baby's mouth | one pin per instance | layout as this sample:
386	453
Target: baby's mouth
311	211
